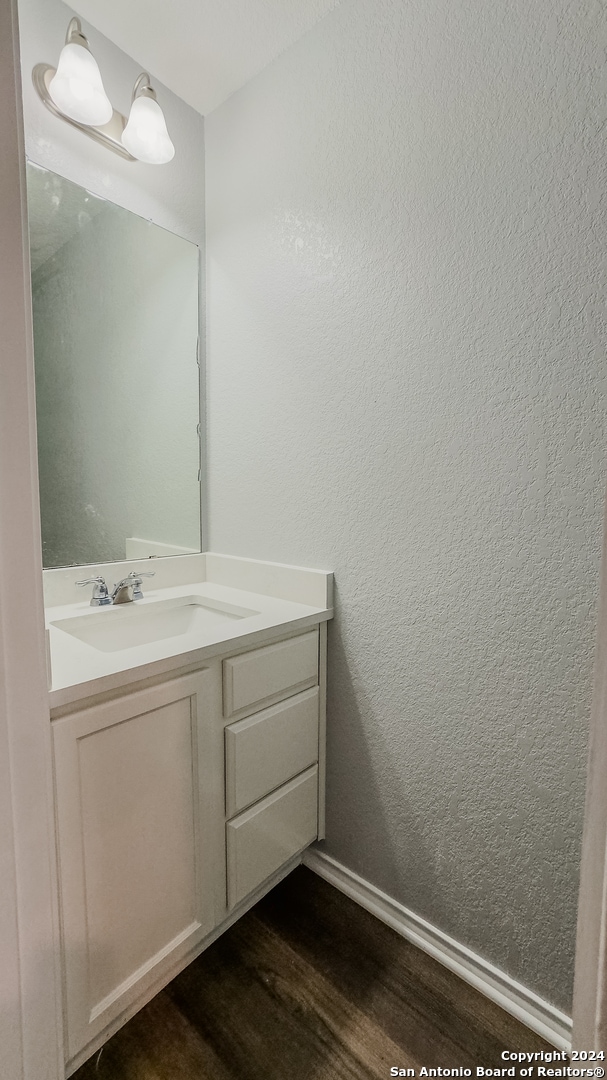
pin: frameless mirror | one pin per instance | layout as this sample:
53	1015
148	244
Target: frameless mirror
115	302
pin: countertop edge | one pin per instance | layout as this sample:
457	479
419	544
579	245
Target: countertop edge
101	685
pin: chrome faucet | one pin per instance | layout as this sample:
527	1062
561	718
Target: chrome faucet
129	588
100	595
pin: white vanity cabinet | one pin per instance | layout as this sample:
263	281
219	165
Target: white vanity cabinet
178	805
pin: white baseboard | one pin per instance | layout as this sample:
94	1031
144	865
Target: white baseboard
513	997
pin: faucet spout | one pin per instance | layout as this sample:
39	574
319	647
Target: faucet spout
129	588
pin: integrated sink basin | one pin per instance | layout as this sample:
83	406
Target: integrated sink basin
112	629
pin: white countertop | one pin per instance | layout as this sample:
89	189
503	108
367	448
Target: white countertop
80	670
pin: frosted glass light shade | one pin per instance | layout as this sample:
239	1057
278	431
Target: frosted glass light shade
77	89
145	135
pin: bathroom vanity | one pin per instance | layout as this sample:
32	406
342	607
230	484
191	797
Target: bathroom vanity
187	721
189	767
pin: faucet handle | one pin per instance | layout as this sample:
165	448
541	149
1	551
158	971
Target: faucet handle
136	576
100	595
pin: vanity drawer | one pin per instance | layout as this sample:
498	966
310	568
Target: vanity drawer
268	748
266	836
261	677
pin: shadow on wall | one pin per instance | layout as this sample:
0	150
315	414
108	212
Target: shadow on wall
444	790
366	843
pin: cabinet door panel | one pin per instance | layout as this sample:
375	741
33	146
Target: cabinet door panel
136	803
267	835
135	892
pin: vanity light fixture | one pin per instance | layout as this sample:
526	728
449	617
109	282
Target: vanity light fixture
145	135
74	93
76	87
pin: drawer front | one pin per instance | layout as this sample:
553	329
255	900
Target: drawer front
265	837
259	678
267	749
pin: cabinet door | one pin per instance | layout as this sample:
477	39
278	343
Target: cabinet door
134	804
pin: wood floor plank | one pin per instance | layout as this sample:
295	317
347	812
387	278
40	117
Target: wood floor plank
309	986
288	1004
387	975
157	1044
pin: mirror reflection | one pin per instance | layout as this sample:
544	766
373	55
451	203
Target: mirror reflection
115	303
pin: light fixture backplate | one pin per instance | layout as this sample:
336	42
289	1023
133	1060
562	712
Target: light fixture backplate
109	135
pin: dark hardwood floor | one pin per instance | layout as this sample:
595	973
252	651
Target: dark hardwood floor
309	986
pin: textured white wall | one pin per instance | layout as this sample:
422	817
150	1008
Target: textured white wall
407	271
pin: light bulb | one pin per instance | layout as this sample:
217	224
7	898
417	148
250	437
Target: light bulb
145	135
77	89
